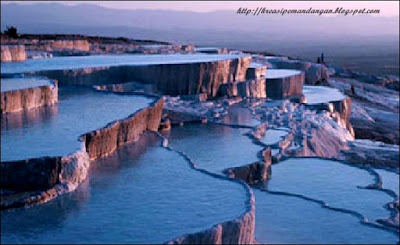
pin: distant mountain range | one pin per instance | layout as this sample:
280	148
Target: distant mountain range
56	17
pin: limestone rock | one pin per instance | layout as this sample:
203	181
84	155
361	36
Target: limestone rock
169	79
23	99
10	53
285	87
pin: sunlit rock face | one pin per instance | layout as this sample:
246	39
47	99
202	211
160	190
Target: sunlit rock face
256	70
106	140
58	45
332	100
27	93
248	89
47	167
152	177
282	83
192	78
170	74
79	45
10	53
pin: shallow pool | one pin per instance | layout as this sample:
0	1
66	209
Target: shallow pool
280	73
10	84
321	94
54	131
237	114
291	220
142	193
333	182
214	147
274	136
77	62
256	65
390	180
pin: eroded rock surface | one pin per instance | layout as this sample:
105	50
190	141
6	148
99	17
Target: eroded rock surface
284	86
28	98
63	174
11	53
375	112
176	78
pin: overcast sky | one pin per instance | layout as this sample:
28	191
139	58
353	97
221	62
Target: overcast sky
387	8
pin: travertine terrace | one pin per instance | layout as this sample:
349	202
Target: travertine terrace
185	139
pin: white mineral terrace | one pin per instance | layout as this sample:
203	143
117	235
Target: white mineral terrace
79	62
321	94
256	65
281	73
275	57
11	84
206	49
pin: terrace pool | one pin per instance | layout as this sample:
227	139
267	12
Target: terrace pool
142	193
79	111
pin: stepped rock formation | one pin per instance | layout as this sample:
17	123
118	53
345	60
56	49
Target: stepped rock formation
340	110
56	45
61	174
256	71
375	112
285	87
254	173
22	99
10	53
78	45
239	231
249	89
170	79
314	73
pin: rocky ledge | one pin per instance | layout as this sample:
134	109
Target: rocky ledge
28	98
10	53
39	180
170	79
283	85
238	231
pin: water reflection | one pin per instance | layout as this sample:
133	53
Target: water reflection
140	194
55	130
239	115
214	147
290	220
26	118
336	183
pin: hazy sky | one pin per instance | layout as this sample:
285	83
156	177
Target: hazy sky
387	8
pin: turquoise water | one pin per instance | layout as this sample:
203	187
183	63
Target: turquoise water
240	115
214	147
54	131
335	183
390	180
286	219
10	84
144	193
76	62
139	194
291	220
